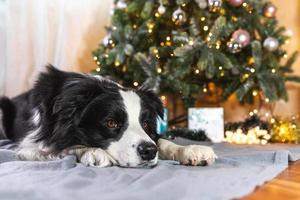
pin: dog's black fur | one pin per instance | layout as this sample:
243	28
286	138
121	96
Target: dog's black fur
73	110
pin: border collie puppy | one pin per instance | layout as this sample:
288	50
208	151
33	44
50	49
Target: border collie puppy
93	118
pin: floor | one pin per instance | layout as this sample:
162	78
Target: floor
286	186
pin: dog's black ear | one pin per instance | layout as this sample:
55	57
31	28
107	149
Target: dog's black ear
151	100
49	84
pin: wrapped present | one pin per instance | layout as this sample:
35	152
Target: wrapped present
211	120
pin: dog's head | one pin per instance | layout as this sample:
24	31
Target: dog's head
96	112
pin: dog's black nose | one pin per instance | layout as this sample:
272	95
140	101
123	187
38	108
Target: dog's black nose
147	150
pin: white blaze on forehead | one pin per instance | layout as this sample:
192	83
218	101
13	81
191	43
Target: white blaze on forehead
125	149
132	104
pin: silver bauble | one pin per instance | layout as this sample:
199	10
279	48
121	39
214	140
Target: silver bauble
202	4
234	46
108	41
121	4
271	44
214	5
161	9
179	17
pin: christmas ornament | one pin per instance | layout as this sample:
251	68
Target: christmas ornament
179	17
121	4
270	10
235	3
271	44
285	131
108	42
214	5
234	46
202	4
161	9
242	37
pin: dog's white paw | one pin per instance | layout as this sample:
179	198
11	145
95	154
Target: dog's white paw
196	155
96	157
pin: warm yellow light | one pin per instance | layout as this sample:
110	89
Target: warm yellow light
168	38
191	42
134	26
98	63
135	83
202	19
285	55
220	67
251	113
106	55
234	18
149	30
245	76
183	5
114	28
150	25
204	90
267	100
163	97
95	58
172	54
252	70
117	63
287	41
254	93
159	70
273	71
205	28
98	69
155	51
197	71
157	14
272	120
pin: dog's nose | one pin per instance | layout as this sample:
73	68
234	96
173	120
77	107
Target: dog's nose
147	150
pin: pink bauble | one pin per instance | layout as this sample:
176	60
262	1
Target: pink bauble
270	10
241	36
236	3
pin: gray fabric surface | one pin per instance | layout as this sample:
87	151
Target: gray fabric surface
236	173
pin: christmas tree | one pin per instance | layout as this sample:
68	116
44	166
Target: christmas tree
182	46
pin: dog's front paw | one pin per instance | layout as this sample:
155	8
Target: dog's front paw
96	157
196	155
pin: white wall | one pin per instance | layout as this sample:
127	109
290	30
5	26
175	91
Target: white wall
2	45
61	32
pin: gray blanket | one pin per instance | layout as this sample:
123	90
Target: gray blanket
236	173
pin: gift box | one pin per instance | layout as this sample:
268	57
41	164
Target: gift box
211	120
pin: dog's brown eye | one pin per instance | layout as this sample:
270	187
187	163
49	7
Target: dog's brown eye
112	123
145	125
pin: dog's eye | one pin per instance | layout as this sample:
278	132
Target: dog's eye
145	125
111	123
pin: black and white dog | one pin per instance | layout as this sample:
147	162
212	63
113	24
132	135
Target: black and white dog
93	118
